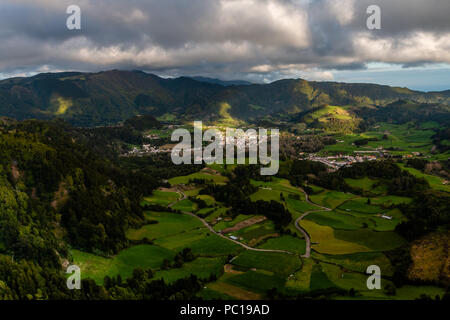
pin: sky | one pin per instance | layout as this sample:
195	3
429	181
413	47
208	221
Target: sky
255	40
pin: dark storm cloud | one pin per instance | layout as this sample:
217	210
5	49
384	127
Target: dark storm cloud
254	39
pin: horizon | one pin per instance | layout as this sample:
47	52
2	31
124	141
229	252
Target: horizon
193	77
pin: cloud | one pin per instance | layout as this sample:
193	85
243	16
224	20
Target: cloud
252	39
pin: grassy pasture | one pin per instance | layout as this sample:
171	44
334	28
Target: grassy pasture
434	181
168	224
376	241
324	241
255	233
177	231
300	282
178	241
201	267
228	224
236	291
347	280
388	225
257	281
280	263
218	212
388	201
285	242
331	199
203	211
218	179
192	192
358	261
360	205
185	205
163	198
214	245
210	294
402	137
337	220
365	184
344	220
222	168
368	185
319	279
279	184
266	195
96	267
210	201
299	206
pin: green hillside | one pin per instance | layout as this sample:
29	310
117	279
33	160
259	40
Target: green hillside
92	99
331	118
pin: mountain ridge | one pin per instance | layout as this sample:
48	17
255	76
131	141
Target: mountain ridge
109	97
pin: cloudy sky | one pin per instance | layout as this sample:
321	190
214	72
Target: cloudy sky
255	40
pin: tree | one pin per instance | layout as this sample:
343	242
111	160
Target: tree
166	264
390	290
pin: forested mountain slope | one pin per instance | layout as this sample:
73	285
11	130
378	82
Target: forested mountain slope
91	99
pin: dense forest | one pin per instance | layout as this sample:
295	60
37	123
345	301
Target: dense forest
55	191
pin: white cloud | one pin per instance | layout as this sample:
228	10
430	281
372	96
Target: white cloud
263	39
414	48
343	10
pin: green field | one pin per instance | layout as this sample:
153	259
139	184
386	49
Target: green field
375	241
230	223
96	267
279	263
254	234
219	179
360	205
299	206
201	267
337	220
217	212
285	242
278	185
162	198
344	242
358	261
365	184
388	201
319	278
403	138
266	195
434	181
257	281
324	240
210	201
168	224
331	199
185	205
214	245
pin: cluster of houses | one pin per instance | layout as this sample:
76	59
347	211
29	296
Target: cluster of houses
340	160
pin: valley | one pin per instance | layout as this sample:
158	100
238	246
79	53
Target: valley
357	185
323	249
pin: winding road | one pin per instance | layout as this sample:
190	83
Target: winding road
297	225
210	228
303	231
